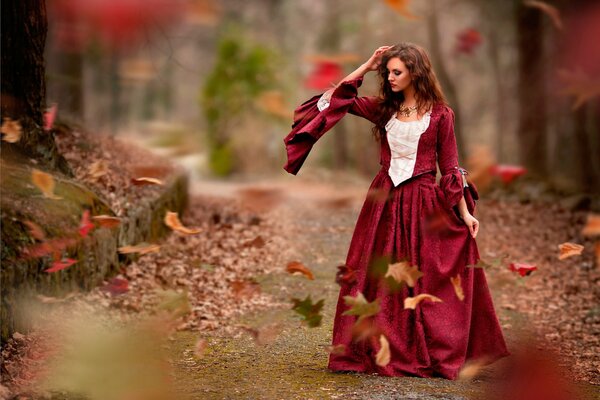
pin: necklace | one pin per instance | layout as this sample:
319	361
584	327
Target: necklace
407	111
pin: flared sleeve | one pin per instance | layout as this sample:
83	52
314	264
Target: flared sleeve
316	116
454	183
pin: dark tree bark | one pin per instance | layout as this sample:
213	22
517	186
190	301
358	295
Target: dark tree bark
24	28
531	94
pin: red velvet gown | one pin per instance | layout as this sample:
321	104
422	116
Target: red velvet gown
436	338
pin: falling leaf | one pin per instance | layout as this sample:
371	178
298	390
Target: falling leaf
61	264
337	350
265	334
592	225
324	75
309	311
337	202
365	329
360	306
11	129
272	102
403	272
44	182
569	249
471	368
456	283
401	7
106	221
176	303
378	195
116	286
411	302
56	246
49	117
200	347
467	40
52	300
580	85
98	169
548	9
142	248
383	355
245	288
507	173
294	267
146	181
202	12
522	269
172	221
345	275
35	231
85	226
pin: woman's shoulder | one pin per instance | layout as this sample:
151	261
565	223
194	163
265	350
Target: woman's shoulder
442	109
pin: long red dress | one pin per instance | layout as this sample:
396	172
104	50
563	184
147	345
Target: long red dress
436	338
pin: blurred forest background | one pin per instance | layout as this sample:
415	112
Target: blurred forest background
214	83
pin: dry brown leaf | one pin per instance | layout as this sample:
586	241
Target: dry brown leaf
11	129
44	182
142	248
456	283
244	288
403	272
411	302
471	368
338	349
383	355
569	249
172	221
144	180
256	242
592	226
297	267
106	221
259	199
548	9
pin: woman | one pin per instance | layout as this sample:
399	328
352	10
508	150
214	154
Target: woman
414	239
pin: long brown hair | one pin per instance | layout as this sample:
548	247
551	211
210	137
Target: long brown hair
427	88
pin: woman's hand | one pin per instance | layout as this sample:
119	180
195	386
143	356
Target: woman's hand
373	63
472	223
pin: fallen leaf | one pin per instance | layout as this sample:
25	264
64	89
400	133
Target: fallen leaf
49	117
61	264
11	129
35	231
142	248
345	275
548	9
338	349
569	249
295	267
360	306
522	269
403	272
382	358
106	221
592	225
85	225
309	311
44	182
245	288
116	286
411	302
456	283
256	242
172	221
200	347
98	169
146	181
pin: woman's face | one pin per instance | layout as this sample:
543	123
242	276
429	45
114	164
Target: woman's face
398	75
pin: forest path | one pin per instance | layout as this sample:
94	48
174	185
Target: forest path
320	217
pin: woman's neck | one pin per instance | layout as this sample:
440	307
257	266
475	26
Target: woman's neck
409	96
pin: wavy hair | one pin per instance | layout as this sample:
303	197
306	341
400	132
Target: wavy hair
427	88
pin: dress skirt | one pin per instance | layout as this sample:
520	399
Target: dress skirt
410	223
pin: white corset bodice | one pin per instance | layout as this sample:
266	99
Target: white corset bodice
403	138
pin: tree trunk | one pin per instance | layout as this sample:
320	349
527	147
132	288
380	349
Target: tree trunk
531	91
24	28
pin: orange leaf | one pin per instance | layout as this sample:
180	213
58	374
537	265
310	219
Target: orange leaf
44	182
146	181
411	302
35	230
172	221
296	267
471	368
403	272
401	7
272	102
457	287
106	221
592	226
569	249
142	248
383	355
11	129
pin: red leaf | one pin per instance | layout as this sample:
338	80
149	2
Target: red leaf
116	286
522	269
325	74
49	117
507	172
468	40
345	275
62	264
86	225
